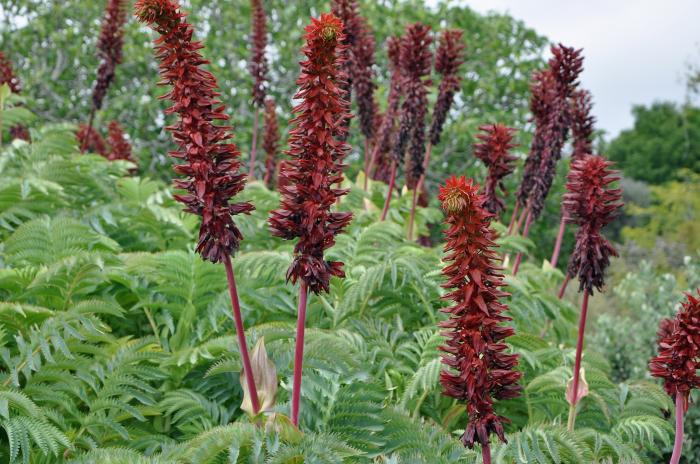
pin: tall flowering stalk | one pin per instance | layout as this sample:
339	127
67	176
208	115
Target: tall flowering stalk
109	50
591	203
496	142
565	67
258	69
384	137
678	361
210	164
582	126
271	140
317	150
415	59
480	370
448	59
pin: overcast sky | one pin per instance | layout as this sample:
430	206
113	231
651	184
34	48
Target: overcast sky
635	50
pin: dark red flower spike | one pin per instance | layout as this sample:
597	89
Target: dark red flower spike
415	60
678	360
209	162
91	141
258	69
496	143
7	74
307	180
448	58
270	140
119	147
480	370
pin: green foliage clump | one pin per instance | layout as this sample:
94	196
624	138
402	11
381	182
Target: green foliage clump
116	340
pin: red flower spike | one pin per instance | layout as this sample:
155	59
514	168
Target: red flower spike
494	152
210	164
384	137
582	123
592	204
271	140
679	350
109	48
91	140
258	64
363	79
565	66
448	59
120	148
317	152
7	74
415	62
479	369
346	11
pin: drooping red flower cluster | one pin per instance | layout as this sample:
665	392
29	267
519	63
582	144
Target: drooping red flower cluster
494	152
109	48
385	135
271	140
317	151
258	63
119	147
210	163
591	203
679	350
7	74
448	58
565	67
415	61
91	141
480	370
582	123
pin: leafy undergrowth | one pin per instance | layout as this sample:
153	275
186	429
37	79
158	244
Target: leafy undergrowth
116	341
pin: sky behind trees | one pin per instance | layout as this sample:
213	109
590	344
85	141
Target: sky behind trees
636	50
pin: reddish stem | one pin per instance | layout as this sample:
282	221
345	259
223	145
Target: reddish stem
486	453
83	147
562	290
253	145
373	159
579	352
412	217
523	214
560	238
519	257
367	162
512	218
392	181
240	333
299	353
678	442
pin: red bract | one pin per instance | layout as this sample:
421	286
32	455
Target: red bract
258	63
119	147
270	140
346	11
591	203
679	350
494	152
109	48
7	74
448	59
317	152
582	123
415	63
480	371
211	166
91	140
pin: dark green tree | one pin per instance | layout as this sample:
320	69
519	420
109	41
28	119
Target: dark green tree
665	139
